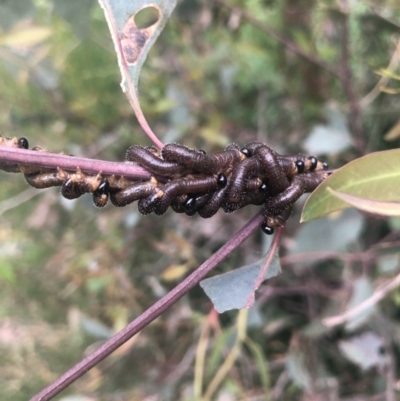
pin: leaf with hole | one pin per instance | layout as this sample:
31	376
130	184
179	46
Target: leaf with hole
375	177
135	26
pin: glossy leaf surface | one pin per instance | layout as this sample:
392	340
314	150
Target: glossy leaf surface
375	176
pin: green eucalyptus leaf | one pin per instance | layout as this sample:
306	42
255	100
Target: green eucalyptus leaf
375	177
329	234
364	350
297	370
77	15
235	289
11	11
388	264
330	138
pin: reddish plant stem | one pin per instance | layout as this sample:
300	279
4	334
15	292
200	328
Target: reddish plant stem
271	253
150	314
70	163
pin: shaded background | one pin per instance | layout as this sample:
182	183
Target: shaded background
72	275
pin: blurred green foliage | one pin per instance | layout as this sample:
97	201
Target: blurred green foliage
70	274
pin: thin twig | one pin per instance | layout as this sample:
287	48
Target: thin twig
283	380
201	351
390	366
150	314
376	91
366	255
377	397
17	200
270	292
280	38
231	358
376	297
348	84
379	13
318	255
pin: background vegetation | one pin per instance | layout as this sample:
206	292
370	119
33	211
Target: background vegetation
71	275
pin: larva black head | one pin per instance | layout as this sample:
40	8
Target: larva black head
100	196
314	162
23	143
202	151
191	206
147	205
245	151
325	165
263	187
104	187
190	203
71	189
267	229
300	166
222	180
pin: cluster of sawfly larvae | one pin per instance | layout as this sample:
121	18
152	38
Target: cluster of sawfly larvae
190	181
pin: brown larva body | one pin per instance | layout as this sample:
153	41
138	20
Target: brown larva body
190	181
157	166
